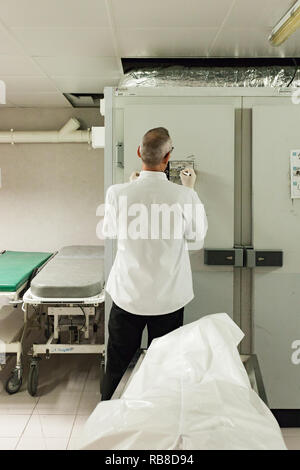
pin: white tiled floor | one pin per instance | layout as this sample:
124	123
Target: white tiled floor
68	393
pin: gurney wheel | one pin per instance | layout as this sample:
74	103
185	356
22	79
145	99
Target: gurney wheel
14	382
33	378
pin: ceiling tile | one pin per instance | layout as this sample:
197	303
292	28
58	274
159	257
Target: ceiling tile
79	66
243	42
68	42
18	65
8	45
84	84
257	13
169	13
27	84
54	13
180	42
39	100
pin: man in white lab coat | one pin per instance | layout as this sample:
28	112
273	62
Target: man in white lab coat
151	279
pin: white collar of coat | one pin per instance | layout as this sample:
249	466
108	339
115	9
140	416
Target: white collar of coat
152	174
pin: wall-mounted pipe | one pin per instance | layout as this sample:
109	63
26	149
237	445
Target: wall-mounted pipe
71	126
68	133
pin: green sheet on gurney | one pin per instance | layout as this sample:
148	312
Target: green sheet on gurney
16	268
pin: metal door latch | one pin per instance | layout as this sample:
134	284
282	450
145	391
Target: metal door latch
219	257
243	257
256	258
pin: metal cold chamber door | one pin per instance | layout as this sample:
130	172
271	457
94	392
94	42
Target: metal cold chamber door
276	226
202	134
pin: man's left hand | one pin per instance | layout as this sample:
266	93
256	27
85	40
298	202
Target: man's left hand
134	176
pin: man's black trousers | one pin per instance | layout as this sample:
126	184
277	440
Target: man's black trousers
125	334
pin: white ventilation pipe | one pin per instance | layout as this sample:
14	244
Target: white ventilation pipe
68	133
71	126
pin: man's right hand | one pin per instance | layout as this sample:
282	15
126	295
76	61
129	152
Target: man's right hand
188	177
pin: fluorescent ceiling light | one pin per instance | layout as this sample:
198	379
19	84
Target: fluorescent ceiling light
286	26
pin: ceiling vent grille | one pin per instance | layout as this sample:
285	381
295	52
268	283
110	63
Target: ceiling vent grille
84	100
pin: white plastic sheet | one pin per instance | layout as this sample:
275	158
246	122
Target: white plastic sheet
191	392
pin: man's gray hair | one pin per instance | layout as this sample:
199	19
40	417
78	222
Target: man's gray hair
155	145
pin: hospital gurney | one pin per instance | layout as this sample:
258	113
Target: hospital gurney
70	288
249	361
17	268
189	391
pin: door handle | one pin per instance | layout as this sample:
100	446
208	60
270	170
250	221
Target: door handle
223	257
119	160
243	257
257	258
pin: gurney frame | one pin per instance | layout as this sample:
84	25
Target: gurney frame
14	381
72	308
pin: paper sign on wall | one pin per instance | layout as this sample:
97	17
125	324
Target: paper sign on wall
295	174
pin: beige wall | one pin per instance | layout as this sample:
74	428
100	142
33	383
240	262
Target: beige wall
49	192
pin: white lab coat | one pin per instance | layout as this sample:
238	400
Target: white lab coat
151	274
